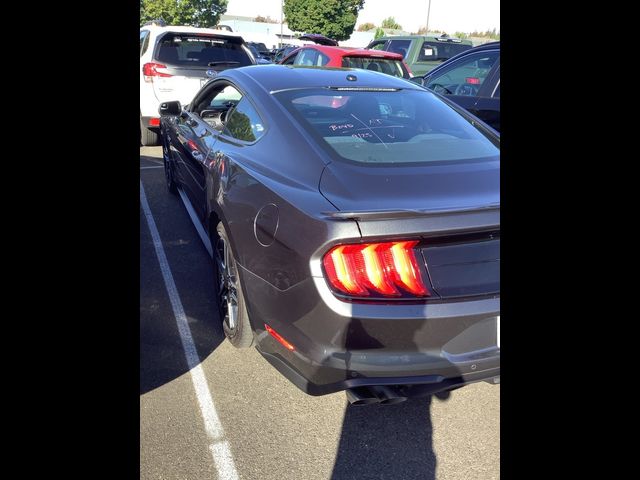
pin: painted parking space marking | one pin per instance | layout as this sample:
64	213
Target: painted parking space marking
219	447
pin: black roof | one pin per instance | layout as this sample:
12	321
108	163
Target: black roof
283	77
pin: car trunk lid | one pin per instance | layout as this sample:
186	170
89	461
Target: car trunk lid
452	209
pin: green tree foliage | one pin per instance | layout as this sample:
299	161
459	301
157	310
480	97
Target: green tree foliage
365	27
390	22
423	30
379	33
486	34
196	13
332	18
266	19
460	35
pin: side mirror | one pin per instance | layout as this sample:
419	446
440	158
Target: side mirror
170	108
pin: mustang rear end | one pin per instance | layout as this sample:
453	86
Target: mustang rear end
419	313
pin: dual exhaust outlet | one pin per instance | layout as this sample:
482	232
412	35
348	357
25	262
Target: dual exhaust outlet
383	395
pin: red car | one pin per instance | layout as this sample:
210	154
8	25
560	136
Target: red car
329	54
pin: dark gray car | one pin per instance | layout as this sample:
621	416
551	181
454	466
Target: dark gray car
354	222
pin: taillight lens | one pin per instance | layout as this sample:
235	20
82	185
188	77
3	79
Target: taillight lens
388	269
151	70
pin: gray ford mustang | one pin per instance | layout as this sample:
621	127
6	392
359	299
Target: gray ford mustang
353	219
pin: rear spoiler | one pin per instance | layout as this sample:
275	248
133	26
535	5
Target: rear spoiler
390	214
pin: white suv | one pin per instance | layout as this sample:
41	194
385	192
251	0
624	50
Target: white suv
176	61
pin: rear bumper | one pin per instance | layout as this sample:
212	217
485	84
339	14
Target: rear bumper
420	384
339	345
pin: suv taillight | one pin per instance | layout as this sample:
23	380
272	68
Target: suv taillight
388	269
150	70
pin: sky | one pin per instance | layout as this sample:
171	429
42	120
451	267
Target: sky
446	15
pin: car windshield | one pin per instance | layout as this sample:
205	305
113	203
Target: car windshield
198	50
388	127
384	65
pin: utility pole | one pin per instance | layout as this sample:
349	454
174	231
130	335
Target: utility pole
428	12
281	15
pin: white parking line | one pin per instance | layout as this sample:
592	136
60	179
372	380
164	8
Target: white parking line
219	447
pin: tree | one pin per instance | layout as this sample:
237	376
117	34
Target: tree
196	13
332	18
461	35
266	19
365	27
390	22
423	31
379	33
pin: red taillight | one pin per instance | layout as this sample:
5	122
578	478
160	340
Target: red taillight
473	80
151	70
154	122
279	338
388	269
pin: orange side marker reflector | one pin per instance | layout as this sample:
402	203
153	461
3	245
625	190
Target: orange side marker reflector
279	338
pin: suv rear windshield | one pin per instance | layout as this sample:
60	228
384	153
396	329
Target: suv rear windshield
198	50
384	127
440	50
384	65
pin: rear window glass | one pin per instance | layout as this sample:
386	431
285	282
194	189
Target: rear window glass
440	50
384	127
191	50
390	67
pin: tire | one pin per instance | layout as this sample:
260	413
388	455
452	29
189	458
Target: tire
169	174
148	138
233	309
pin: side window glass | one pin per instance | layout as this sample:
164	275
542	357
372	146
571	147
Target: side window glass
465	77
399	46
291	60
306	57
322	60
244	123
496	92
216	106
144	41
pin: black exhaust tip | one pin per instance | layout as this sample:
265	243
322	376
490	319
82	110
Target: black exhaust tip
361	396
388	396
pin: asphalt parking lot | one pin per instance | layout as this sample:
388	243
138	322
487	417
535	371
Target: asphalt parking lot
208	410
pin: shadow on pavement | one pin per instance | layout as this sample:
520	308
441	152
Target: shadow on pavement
370	437
162	357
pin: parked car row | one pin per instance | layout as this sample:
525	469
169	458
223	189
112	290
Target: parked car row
421	52
352	215
181	59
